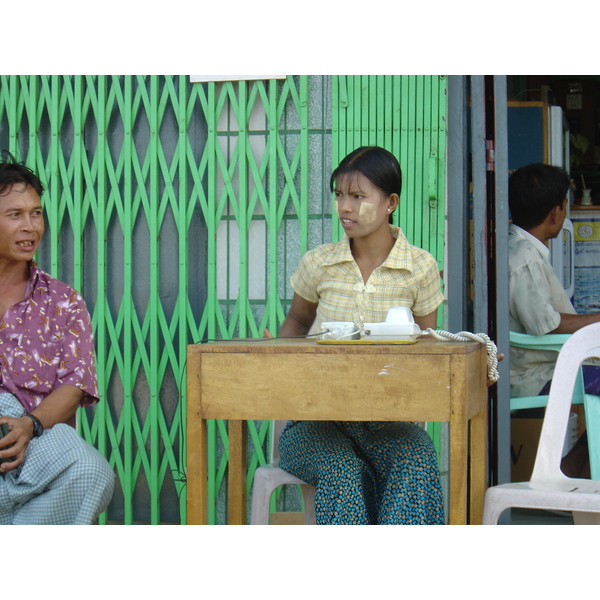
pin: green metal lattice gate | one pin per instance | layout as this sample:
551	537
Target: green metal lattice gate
180	210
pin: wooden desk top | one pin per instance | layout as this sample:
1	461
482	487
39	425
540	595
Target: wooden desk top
307	345
300	379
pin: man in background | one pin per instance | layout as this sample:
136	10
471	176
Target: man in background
538	303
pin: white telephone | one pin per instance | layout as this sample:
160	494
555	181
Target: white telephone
400	325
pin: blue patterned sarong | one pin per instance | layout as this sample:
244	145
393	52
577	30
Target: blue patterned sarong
365	472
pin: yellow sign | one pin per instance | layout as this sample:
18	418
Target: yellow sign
587	231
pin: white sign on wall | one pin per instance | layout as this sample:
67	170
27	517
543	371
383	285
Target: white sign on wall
207	78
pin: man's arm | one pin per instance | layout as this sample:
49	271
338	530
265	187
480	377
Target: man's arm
537	301
58	407
571	323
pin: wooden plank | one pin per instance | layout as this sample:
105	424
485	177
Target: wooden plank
477	396
478	469
425	345
477	411
458	443
197	459
236	490
300	386
287	518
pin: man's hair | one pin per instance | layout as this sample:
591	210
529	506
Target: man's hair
533	191
13	172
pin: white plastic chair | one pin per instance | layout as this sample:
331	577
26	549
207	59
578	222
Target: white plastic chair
591	404
268	478
549	488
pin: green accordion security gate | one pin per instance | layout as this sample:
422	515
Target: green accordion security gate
180	210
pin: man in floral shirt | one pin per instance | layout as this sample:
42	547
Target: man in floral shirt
46	341
48	473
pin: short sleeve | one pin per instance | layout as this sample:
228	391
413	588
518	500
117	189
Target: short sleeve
429	295
304	281
77	366
530	300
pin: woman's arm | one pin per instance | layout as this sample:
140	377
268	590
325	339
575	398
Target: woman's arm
300	317
427	321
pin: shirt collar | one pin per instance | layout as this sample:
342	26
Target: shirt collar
34	276
398	258
520	232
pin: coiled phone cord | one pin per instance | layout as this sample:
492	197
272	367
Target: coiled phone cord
466	336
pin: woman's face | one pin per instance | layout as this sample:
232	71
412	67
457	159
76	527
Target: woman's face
21	223
361	206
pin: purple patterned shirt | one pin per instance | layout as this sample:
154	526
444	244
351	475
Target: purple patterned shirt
46	342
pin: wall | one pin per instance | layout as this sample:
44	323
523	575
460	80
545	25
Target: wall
180	210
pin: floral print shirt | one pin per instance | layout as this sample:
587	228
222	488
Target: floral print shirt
46	342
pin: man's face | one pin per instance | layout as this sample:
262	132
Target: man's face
21	223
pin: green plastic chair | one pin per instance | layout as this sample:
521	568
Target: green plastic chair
590	403
551	341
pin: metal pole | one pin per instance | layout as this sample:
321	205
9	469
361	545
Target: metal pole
478	172
502	474
457	240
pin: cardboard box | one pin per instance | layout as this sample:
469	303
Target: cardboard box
524	438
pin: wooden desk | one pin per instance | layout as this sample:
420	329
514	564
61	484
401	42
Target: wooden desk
303	380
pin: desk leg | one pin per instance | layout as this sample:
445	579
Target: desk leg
236	491
197	455
197	475
478	467
458	472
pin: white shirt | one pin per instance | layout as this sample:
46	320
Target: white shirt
536	298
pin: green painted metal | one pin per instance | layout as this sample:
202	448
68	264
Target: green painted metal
98	146
405	114
253	180
161	195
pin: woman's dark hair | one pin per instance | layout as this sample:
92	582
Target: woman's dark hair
12	172
533	191
378	165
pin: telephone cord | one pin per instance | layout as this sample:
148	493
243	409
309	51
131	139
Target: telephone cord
466	336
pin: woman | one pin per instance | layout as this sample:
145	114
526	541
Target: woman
365	473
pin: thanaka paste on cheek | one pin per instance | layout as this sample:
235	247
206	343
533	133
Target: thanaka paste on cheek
367	213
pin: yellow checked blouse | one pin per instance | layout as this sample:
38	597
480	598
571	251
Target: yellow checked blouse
328	275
